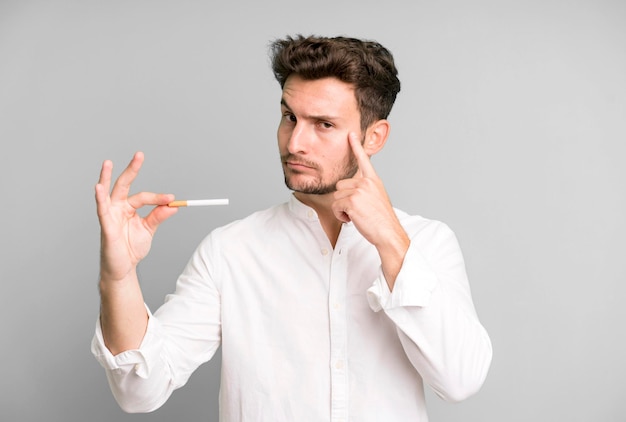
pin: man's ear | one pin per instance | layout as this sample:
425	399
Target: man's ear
376	136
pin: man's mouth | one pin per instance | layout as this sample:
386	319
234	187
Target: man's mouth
298	165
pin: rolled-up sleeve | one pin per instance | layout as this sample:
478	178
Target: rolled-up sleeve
181	335
138	360
404	293
432	308
137	376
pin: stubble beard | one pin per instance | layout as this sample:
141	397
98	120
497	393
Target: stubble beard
342	171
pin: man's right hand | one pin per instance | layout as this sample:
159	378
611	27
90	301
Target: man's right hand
126	239
126	236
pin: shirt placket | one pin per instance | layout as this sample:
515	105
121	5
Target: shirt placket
338	336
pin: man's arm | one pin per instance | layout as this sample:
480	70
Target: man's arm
425	291
126	238
363	200
432	308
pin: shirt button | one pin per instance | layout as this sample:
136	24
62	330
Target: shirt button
324	251
310	214
339	364
336	305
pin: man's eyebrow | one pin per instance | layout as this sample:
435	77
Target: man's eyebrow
322	117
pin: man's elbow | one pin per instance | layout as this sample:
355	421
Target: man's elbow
135	405
459	393
465	383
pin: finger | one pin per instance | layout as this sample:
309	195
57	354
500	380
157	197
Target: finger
102	201
105	175
157	216
345	184
342	208
341	215
103	209
102	188
142	199
121	188
362	159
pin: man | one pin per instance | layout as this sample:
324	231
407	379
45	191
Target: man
331	306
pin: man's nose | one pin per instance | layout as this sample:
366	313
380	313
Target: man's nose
299	140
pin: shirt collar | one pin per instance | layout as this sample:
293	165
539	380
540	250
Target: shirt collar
301	210
305	212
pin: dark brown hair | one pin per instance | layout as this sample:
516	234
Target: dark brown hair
367	65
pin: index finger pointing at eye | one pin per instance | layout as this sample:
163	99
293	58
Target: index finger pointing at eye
363	160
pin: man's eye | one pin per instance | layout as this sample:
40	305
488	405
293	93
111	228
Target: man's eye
289	117
326	125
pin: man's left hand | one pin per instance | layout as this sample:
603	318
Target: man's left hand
363	200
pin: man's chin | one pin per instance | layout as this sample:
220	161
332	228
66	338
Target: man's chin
309	189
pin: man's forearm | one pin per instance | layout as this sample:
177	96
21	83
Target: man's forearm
392	255
123	315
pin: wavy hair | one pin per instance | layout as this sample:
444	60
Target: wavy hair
366	65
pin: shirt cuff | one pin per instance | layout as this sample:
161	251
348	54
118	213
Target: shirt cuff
413	287
138	360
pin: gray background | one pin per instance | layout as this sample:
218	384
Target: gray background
510	127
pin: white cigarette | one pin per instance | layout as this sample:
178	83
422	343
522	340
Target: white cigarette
198	203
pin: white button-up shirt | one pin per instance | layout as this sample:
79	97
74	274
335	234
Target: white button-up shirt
310	332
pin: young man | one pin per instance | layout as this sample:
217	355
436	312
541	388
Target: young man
332	306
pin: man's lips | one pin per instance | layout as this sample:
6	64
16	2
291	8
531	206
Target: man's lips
298	165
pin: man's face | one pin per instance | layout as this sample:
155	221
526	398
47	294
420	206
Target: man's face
317	116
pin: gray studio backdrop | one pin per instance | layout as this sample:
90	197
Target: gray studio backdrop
510	127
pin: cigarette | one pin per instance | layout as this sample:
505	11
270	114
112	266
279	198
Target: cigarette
198	203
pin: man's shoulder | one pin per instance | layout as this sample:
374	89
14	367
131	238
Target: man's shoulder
256	221
415	224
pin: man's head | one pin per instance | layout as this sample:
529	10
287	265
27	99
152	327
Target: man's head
366	65
332	87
